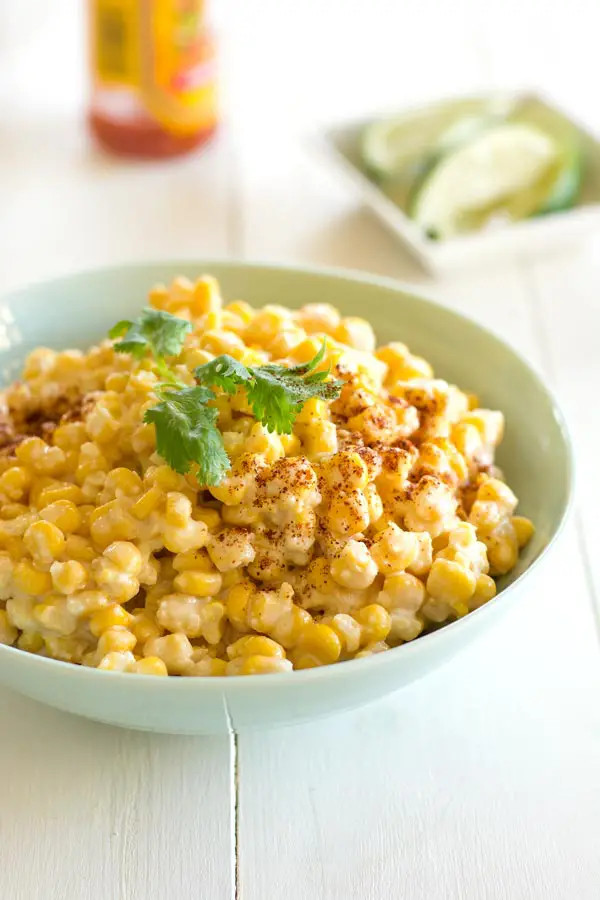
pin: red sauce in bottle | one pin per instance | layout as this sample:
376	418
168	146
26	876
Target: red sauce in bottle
153	77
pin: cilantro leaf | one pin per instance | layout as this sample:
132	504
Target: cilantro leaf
154	330
275	393
187	434
224	372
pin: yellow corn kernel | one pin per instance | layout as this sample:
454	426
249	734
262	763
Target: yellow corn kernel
375	621
524	530
319	641
30	641
348	513
308	349
255	645
116	638
59	491
147	503
165	478
314	410
44	541
109	617
123	481
144	626
70	436
37	486
450	582
495	490
204	296
68	577
80	548
174	649
55	616
117	661
210	517
125	556
354	568
13	510
15	481
116	381
179	509
394	549
30	580
200	584
241	309
100	511
348	630
64	514
8	633
85	603
197	560
237	604
150	665
257	665
110	523
38	455
357	333
485	590
158	297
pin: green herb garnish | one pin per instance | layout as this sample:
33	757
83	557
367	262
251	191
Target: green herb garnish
186	424
155	332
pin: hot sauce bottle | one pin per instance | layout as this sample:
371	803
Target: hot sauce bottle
153	76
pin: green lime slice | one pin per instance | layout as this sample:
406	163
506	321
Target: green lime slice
508	170
393	148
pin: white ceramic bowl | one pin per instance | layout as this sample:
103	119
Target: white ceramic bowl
78	310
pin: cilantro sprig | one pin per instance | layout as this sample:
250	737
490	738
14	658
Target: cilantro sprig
155	332
276	394
185	418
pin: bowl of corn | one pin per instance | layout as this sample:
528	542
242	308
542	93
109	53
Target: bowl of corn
235	496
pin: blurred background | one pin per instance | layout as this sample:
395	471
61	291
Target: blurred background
286	71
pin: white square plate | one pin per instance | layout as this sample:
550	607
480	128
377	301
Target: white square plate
342	143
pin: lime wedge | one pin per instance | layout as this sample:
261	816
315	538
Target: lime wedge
508	170
393	148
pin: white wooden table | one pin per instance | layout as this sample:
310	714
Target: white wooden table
482	782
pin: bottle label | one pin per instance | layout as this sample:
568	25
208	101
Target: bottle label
164	50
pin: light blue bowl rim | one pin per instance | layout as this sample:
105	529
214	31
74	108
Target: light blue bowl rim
337	670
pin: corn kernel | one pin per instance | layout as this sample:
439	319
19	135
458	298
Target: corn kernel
450	582
201	584
125	556
319	641
30	641
30	580
375	621
523	529
64	514
59	491
117	661
257	665
109	617
147	503
150	665
44	541
116	638
255	645
210	517
15	481
8	633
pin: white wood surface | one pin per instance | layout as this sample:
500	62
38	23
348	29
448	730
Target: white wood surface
482	782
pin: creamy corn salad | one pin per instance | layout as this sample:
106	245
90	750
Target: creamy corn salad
380	517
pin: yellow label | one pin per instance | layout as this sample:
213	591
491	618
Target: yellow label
116	41
178	80
163	49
